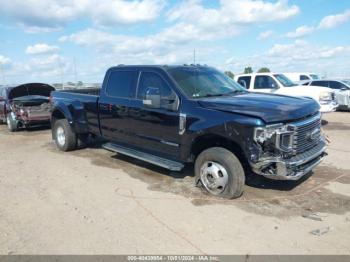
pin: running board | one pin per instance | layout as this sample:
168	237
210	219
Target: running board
155	160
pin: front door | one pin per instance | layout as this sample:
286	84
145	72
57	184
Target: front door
155	130
265	84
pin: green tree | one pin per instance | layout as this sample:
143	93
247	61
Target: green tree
230	74
248	70
264	70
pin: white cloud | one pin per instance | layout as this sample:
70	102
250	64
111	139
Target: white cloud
297	56
301	31
332	21
113	12
48	15
4	60
233	12
327	22
41	49
265	34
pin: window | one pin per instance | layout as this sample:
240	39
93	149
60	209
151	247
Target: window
304	77
244	79
265	82
147	80
197	82
285	81
320	83
336	85
121	83
152	80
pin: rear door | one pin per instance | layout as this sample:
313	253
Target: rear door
155	130
265	84
118	88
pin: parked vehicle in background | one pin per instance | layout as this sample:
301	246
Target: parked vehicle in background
280	84
340	87
172	115
300	77
25	105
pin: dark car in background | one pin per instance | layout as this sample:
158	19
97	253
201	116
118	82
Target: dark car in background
25	105
341	89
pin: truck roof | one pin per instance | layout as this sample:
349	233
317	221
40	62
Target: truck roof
164	67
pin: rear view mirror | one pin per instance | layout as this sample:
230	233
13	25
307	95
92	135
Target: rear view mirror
152	97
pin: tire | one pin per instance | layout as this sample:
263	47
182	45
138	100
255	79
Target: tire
65	138
12	123
220	172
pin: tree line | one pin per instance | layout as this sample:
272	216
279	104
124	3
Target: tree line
248	70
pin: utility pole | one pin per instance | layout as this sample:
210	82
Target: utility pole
75	72
2	73
194	56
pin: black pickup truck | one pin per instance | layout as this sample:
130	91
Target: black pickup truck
173	115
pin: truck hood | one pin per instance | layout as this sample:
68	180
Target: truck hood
268	107
304	91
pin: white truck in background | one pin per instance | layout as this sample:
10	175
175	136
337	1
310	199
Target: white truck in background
301	77
280	84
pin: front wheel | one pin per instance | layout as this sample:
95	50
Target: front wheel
65	138
220	172
12	123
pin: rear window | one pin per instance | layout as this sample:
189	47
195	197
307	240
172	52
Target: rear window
244	79
304	77
121	84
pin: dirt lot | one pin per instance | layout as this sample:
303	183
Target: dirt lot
92	201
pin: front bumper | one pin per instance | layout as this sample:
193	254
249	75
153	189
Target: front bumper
328	108
293	168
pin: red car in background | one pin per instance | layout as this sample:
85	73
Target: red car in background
25	105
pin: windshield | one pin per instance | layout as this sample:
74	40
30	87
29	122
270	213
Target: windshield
285	81
204	82
347	82
314	77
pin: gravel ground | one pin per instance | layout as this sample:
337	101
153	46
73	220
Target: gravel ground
92	201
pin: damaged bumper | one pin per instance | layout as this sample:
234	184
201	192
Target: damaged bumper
292	168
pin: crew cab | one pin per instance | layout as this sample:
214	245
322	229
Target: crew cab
25	105
280	84
173	115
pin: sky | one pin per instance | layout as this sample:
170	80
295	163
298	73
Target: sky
77	40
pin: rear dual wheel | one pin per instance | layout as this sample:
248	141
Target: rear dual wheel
65	138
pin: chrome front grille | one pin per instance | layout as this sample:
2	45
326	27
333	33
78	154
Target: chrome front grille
307	134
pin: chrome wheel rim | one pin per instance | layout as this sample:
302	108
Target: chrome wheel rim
214	177
60	135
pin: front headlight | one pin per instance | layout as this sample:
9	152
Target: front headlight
280	136
325	96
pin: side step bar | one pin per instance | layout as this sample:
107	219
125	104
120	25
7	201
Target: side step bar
156	160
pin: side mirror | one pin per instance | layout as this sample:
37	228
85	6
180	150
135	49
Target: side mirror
152	97
274	86
342	89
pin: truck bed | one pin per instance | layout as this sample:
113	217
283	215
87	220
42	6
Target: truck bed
84	109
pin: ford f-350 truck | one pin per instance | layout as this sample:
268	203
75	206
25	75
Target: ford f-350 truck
173	115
